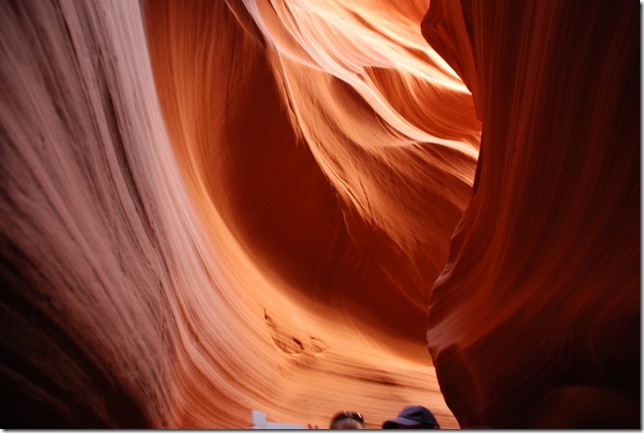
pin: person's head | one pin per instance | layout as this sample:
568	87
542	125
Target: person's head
347	421
413	417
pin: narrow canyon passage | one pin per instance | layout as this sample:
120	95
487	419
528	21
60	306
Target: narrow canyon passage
302	207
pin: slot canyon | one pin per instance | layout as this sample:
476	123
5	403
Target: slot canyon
301	207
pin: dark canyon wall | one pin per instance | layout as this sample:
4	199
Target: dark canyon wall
535	320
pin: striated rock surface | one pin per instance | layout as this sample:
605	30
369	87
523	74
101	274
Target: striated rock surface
210	207
535	320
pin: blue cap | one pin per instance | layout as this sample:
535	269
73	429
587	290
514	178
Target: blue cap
413	416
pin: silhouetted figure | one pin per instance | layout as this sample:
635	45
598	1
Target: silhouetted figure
347	421
413	417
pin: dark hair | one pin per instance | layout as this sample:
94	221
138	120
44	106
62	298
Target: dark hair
356	416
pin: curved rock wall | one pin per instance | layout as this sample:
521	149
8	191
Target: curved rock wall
212	207
540	300
186	240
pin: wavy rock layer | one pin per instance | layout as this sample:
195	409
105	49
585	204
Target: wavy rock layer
535	320
212	207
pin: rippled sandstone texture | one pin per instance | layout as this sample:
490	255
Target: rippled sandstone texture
212	207
535	320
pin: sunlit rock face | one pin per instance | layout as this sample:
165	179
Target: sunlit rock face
217	206
535	320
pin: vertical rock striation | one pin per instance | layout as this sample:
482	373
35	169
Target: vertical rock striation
535	320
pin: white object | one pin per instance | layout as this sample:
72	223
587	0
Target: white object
259	420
